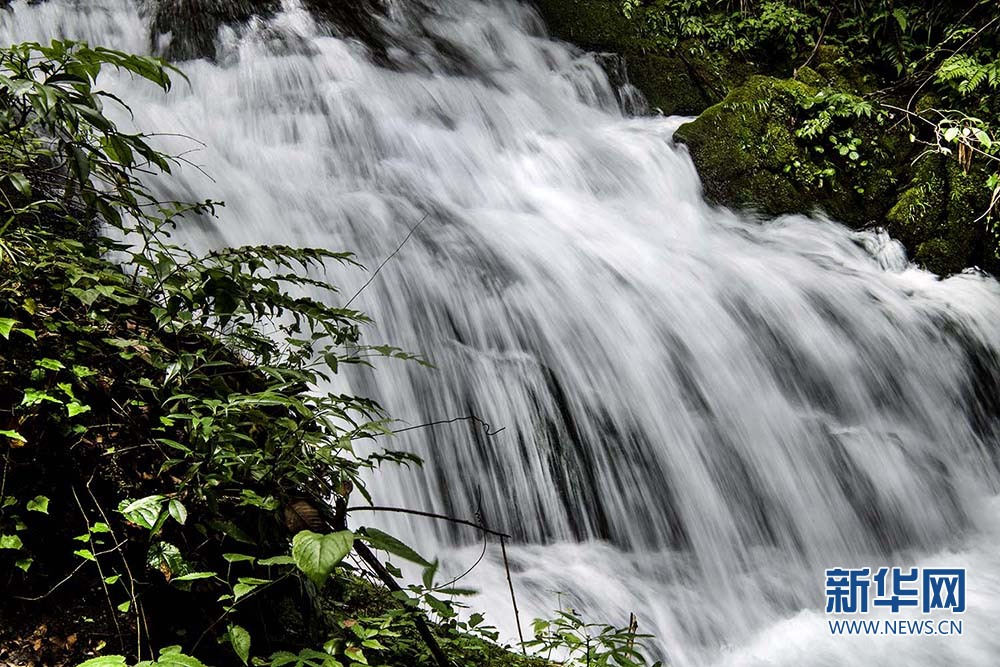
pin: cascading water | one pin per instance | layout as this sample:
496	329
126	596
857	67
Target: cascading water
701	411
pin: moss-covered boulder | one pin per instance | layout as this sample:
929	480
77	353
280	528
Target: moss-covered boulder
939	216
749	155
742	145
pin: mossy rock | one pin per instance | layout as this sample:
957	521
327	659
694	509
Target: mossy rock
673	81
741	146
939	215
749	156
596	25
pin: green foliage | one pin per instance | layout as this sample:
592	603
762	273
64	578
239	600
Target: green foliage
588	644
317	555
171	656
721	25
200	371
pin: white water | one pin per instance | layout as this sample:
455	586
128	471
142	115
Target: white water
701	411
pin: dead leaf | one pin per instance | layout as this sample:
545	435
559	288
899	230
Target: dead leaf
301	515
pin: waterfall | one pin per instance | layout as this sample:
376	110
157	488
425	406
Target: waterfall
701	410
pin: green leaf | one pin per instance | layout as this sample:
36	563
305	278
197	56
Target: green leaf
242	589
36	396
20	182
105	661
50	364
85	554
192	576
74	408
239	638
38	504
145	511
6	326
171	656
24	563
125	606
13	435
277	560
238	558
385	542
177	511
10	542
900	17
317	555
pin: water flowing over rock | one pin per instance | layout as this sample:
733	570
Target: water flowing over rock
701	411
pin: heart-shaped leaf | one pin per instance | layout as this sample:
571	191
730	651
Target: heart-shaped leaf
316	555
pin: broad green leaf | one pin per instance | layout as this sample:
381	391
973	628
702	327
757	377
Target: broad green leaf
6	325
20	182
239	638
317	555
10	542
125	606
74	408
177	511
192	576
172	657
36	396
145	511
238	558
105	661
900	17
50	364
277	560
24	563
380	540
38	504
13	435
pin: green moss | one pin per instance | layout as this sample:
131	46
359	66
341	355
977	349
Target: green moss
810	77
938	215
596	25
749	155
742	145
668	84
685	81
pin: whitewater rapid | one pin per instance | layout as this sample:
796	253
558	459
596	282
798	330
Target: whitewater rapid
701	410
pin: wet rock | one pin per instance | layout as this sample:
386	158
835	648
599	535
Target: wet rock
684	81
750	157
937	216
192	25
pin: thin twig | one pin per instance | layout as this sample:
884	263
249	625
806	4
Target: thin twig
472	567
68	576
819	40
513	599
432	515
386	260
489	429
